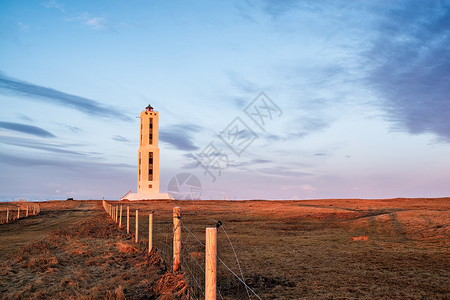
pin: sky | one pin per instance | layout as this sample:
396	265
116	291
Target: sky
257	99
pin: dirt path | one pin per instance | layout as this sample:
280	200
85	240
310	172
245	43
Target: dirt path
16	235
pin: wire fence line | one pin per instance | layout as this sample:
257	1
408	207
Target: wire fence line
19	212
230	279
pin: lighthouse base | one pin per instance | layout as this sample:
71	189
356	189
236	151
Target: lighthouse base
138	196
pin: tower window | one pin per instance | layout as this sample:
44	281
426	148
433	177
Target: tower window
150	136
150	166
139	166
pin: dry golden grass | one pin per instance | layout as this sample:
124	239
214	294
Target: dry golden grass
366	249
304	249
89	259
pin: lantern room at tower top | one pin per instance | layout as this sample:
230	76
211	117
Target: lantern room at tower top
148	158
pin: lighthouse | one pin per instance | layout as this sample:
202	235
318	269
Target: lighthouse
148	158
148	154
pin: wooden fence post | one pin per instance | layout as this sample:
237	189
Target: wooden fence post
7	215
150	232
120	218
176	238
137	225
210	264
18	213
117	213
27	212
128	219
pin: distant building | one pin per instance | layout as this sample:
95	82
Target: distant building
148	159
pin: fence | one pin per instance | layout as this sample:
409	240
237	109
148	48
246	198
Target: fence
11	215
194	255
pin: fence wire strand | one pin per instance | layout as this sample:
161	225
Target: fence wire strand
240	279
194	267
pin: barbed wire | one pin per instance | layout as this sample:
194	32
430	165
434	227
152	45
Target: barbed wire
190	263
220	225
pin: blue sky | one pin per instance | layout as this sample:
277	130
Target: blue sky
362	90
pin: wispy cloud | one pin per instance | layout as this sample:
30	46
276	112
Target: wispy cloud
38	145
23	26
298	129
261	161
74	165
180	136
93	22
242	84
73	129
279	8
53	4
14	86
33	130
24	117
121	139
281	171
410	66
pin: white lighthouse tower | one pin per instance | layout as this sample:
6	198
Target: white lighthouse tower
148	159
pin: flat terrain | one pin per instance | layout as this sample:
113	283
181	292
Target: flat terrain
396	248
27	230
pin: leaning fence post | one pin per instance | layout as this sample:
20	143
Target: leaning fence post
210	264
128	219
150	232
120	218
18	213
137	225
176	238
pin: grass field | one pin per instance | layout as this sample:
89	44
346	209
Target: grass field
397	248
